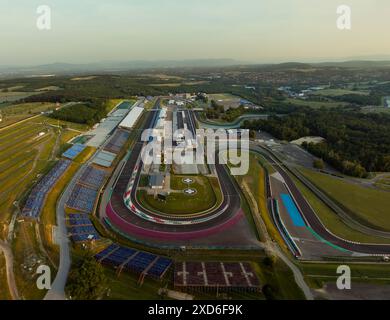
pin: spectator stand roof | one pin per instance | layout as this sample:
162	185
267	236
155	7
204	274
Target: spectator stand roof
132	118
106	127
104	159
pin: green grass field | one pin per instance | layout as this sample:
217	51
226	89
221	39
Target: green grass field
15	113
207	196
255	181
278	277
333	222
318	274
367	205
225	99
14	96
376	110
316	104
112	103
24	156
383	183
340	92
27	257
48	214
69	125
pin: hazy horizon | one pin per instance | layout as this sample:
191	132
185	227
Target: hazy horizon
251	31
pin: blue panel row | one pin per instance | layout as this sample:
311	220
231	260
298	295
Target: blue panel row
160	267
74	151
137	261
34	203
82	230
85	237
82	199
140	262
93	177
106	251
79	222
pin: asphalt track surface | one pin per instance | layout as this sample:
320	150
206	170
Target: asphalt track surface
229	191
311	217
117	209
120	215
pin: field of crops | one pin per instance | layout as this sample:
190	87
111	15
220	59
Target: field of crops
13	113
27	150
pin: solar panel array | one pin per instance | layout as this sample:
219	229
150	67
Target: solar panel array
117	141
74	151
93	177
132	260
229	275
34	204
82	198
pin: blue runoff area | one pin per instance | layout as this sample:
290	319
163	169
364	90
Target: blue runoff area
293	211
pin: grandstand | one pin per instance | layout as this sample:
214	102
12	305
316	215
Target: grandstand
84	237
141	263
82	199
79	222
80	228
104	159
222	276
93	177
77	216
117	141
35	201
74	151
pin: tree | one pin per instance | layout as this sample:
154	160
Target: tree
87	281
269	292
269	261
319	164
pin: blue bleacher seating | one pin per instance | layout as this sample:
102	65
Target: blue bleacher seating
35	201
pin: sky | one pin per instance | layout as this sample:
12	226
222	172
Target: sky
261	31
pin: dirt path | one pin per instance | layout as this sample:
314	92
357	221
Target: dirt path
56	146
298	276
9	261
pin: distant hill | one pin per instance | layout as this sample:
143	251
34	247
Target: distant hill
358	64
112	66
123	66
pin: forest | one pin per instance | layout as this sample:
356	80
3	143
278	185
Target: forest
88	113
355	143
